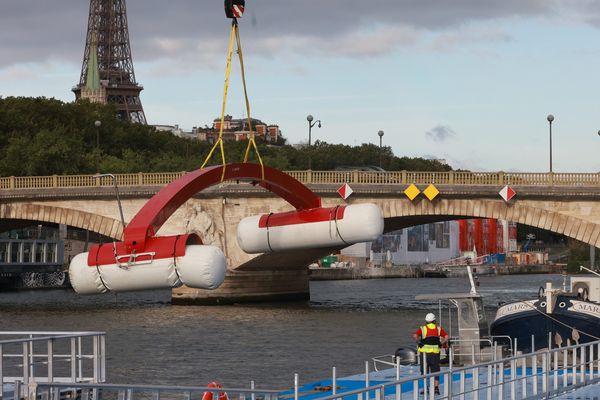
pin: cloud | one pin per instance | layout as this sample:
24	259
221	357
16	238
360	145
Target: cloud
191	31
15	74
447	41
440	133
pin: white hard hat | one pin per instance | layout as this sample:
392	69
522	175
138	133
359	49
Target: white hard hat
430	317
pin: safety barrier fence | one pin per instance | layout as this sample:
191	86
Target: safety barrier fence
61	391
543	374
31	357
321	177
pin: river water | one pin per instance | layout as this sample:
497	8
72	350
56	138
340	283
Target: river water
345	324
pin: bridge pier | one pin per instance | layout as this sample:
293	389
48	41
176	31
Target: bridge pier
250	286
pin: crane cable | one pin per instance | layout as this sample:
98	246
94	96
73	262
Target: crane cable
234	36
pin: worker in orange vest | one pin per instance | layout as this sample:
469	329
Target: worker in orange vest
431	338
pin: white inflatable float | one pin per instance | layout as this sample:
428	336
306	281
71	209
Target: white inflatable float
317	227
169	262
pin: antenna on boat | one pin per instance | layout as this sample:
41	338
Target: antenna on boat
473	290
589	270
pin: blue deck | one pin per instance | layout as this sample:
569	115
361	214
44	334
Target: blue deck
323	388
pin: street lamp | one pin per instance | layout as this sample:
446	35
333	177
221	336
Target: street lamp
310	118
97	125
114	180
380	133
550	118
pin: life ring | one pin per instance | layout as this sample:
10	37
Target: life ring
209	395
541	292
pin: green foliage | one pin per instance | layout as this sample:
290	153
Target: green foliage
579	254
40	136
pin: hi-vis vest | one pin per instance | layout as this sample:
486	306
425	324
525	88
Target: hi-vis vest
430	341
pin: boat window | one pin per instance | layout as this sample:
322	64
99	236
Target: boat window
479	310
467	314
484	328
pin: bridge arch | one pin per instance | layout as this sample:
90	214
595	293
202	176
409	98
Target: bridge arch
100	224
162	205
402	213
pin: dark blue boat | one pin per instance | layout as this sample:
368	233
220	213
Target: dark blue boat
557	317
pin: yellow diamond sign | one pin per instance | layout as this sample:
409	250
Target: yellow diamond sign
431	192
412	191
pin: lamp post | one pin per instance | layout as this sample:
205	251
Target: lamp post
114	180
550	118
310	119
97	125
380	133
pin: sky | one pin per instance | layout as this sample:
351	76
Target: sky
469	81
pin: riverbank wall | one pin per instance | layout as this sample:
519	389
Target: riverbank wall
530	269
416	271
325	274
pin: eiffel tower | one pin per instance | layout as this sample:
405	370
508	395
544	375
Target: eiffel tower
107	73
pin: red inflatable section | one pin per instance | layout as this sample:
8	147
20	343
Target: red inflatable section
160	207
301	217
156	248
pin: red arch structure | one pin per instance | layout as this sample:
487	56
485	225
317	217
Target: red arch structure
159	208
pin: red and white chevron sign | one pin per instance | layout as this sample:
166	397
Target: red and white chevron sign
507	193
238	10
345	191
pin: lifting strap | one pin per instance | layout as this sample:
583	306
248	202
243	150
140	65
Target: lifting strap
234	36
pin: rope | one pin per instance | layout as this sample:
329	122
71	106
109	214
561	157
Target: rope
174	255
337	229
219	142
98	266
560	322
251	141
268	232
234	36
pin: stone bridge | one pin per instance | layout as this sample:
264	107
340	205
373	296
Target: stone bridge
568	204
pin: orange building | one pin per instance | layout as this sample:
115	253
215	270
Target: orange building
238	129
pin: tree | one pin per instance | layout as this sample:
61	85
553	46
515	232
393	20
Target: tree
40	136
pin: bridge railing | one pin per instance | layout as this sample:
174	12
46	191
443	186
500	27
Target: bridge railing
323	177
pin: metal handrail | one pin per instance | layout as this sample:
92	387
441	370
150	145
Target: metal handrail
577	373
390	359
50	391
48	336
491	341
23	363
381	360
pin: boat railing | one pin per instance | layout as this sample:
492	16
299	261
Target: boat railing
543	374
387	361
474	349
472	345
105	391
30	357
